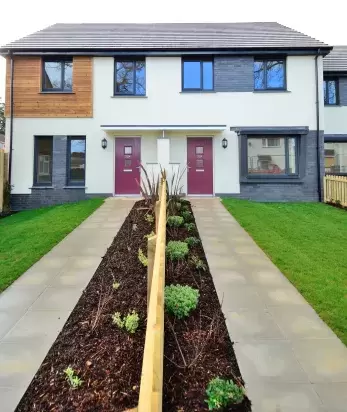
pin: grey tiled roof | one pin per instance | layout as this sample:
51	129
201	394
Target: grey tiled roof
336	61
165	36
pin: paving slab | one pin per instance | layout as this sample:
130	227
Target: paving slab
290	359
34	309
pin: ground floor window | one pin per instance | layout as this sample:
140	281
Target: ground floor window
43	155
272	155
335	157
76	164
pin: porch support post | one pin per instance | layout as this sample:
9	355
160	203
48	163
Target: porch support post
163	151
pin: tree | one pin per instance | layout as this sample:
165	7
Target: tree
2	118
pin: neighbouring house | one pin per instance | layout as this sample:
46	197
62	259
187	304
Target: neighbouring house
240	104
335	111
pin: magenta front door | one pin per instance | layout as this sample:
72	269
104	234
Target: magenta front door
128	159
200	166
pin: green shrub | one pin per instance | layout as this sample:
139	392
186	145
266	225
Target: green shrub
187	216
192	241
176	250
180	300
178	206
149	218
72	378
185	207
130	321
190	226
221	393
198	263
142	258
175	221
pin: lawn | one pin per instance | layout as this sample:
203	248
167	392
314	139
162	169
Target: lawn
308	243
26	236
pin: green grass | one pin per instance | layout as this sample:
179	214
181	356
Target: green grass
308	243
26	236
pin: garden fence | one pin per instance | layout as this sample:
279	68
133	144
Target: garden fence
151	388
3	176
335	189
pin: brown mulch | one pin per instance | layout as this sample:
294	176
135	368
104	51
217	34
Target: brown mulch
107	359
203	339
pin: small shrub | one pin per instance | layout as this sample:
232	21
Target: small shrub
185	207
142	258
149	218
180	300
190	226
187	216
175	221
176	250
115	285
198	263
149	235
72	378
178	205
221	393
192	241
130	321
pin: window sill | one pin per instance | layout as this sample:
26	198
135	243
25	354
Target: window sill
52	92
74	187
272	91
287	179
197	91
41	187
131	96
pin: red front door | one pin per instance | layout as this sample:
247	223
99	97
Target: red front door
128	159
200	166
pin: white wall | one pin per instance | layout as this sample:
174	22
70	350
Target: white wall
166	105
335	120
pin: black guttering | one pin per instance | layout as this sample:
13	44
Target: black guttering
335	138
295	51
319	184
290	130
11	121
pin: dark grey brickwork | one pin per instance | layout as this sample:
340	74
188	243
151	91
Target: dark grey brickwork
233	74
58	194
343	91
304	189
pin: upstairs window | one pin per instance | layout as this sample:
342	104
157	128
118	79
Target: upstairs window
57	75
197	75
43	160
130	78
330	92
269	74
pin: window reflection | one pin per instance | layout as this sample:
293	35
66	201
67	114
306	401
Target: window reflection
335	157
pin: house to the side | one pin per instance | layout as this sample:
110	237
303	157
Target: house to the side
240	104
335	111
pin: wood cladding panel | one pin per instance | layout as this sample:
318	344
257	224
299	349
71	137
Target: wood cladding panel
30	102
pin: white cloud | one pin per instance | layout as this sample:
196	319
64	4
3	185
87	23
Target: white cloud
325	21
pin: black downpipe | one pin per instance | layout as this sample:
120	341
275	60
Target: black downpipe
319	182
11	122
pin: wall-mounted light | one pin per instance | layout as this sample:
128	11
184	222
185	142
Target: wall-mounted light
224	143
104	143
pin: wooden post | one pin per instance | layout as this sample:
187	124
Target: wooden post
151	244
157	213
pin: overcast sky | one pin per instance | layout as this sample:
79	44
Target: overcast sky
324	20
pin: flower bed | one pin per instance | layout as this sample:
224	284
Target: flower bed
197	347
103	355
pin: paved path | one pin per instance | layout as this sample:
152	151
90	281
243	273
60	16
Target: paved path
290	360
35	308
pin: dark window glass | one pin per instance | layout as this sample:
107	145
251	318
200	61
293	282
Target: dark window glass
197	75
43	160
330	91
76	161
269	74
335	157
278	159
57	75
130	78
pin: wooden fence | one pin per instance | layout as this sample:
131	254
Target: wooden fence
3	176
335	189
151	389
